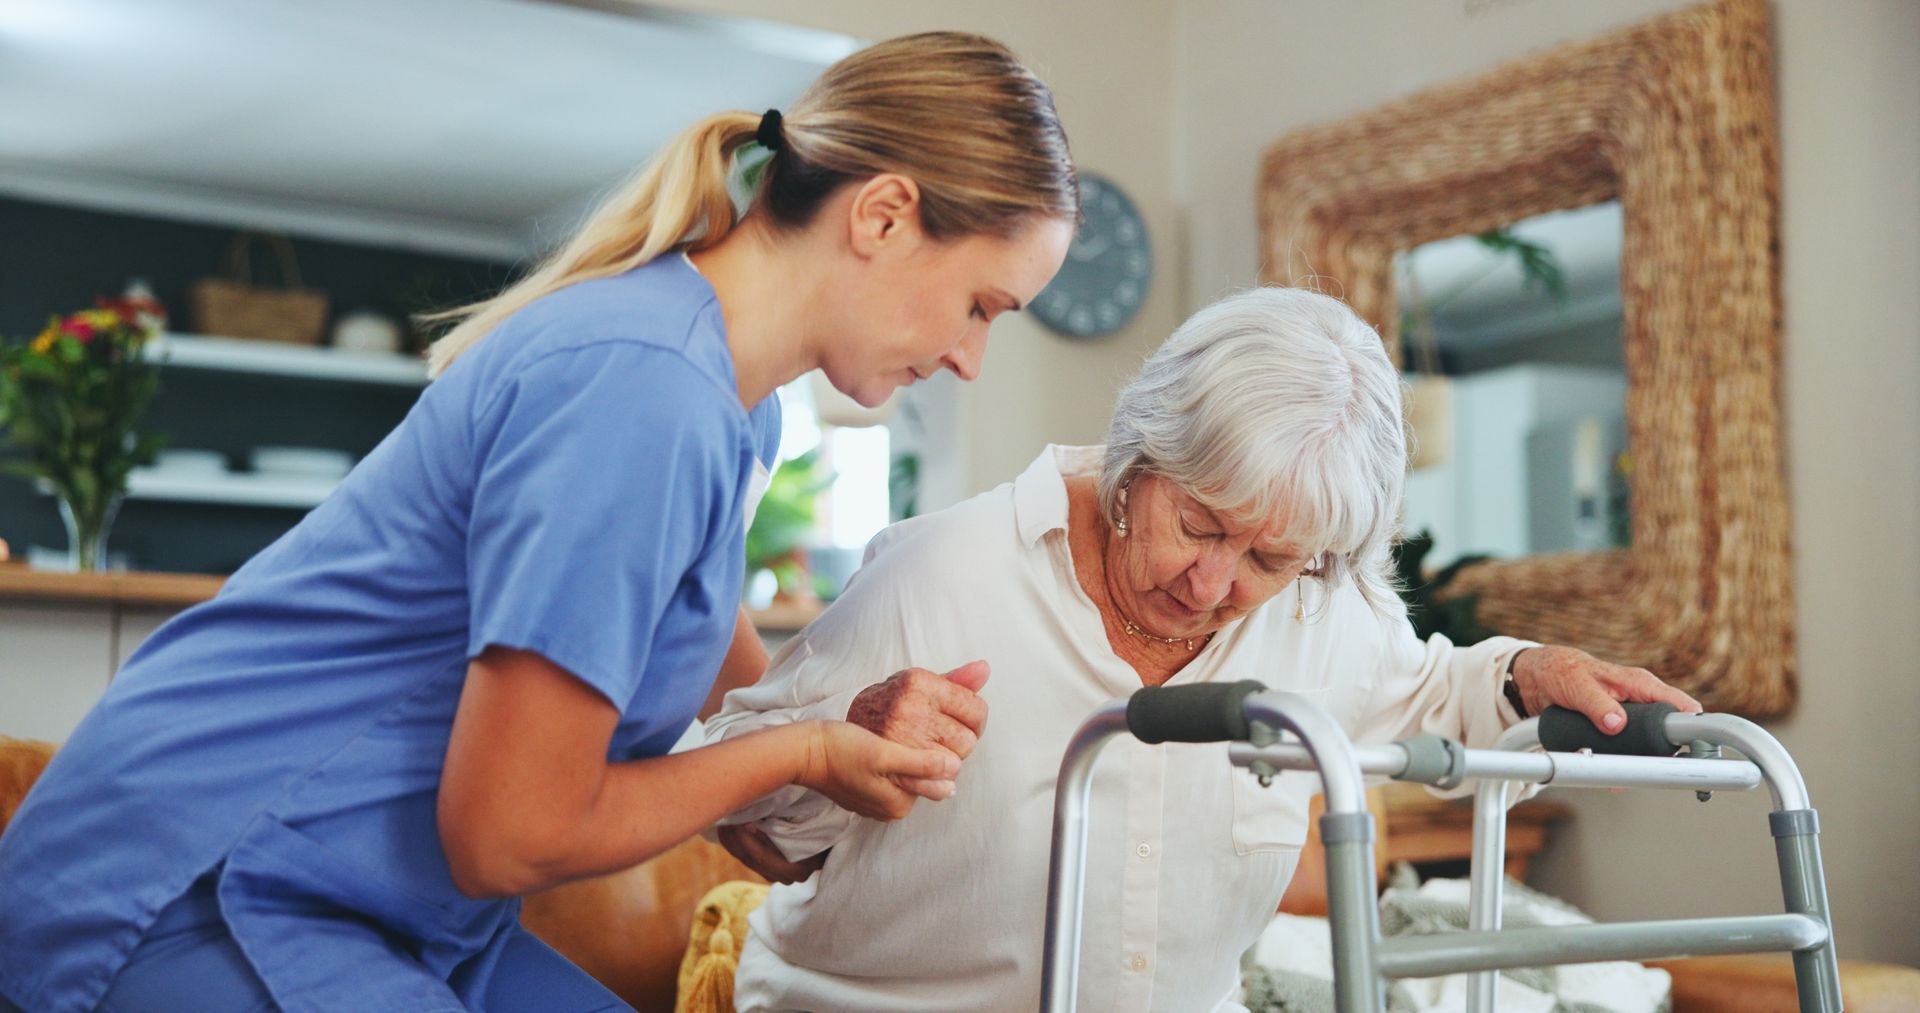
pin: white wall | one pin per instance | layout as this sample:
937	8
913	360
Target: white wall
1479	501
1246	71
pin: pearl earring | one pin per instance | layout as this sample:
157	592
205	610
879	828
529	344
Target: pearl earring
1120	522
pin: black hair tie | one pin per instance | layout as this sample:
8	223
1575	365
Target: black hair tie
769	135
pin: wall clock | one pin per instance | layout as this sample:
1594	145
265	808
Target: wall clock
1108	266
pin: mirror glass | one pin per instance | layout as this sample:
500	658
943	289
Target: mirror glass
1512	346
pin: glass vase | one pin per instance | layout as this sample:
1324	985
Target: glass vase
87	527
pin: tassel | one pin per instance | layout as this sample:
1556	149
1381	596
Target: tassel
713	952
710	988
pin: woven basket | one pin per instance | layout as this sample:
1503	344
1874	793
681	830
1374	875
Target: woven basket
233	306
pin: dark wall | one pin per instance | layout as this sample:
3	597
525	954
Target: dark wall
57	259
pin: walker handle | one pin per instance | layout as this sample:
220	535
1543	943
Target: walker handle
1204	712
1567	731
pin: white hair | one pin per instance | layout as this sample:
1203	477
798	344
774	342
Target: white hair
1275	402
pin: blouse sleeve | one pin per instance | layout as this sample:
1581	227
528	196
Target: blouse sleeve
858	641
1438	687
602	474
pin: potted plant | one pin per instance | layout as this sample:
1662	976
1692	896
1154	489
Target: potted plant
776	541
71	401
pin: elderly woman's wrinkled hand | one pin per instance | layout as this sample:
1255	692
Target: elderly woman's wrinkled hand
1576	680
756	851
926	710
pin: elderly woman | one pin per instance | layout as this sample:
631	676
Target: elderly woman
1236	525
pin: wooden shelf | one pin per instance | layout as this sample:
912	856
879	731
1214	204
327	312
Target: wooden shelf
18	582
245	355
1422	828
783	617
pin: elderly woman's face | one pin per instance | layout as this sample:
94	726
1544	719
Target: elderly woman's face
1185	570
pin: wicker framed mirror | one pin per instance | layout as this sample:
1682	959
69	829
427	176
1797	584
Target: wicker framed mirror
1674	118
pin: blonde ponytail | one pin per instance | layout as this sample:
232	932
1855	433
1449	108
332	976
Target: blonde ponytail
958	113
678	199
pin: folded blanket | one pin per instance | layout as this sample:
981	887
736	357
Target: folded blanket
1290	970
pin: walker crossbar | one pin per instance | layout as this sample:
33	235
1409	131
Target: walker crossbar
1258	720
1561	770
1427	956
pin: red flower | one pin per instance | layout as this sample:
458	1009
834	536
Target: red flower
134	311
80	329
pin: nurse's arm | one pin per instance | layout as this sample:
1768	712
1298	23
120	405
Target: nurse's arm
745	663
528	800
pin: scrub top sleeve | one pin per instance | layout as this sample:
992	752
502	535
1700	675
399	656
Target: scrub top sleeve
603	474
767	418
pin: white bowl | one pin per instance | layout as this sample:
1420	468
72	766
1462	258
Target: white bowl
315	462
182	462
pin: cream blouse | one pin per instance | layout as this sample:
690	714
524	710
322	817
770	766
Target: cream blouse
945	909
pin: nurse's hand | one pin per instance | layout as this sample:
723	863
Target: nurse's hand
870	776
926	710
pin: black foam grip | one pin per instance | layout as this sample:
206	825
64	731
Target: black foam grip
1565	731
1207	712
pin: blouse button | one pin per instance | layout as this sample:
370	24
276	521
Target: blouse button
1138	963
1143	850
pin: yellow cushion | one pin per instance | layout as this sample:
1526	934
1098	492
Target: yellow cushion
713	952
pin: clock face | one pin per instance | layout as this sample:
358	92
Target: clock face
1104	279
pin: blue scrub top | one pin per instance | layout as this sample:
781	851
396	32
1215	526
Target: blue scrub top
573	485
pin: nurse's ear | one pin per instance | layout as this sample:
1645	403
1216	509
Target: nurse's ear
884	217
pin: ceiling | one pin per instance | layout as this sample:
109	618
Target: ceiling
486	127
470	126
1483	295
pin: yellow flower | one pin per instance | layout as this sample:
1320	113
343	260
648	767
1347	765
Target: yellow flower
101	320
44	343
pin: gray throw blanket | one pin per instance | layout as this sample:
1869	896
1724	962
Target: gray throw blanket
1404	911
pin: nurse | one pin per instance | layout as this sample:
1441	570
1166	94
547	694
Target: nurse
458	679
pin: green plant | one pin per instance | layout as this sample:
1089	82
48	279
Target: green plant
1454	617
71	401
903	471
785	517
903	486
1539	269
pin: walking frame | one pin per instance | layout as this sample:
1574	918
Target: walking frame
1274	731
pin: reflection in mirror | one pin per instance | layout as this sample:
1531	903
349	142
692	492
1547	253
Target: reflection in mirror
1518	388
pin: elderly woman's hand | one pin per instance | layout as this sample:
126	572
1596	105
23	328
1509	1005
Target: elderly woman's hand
922	709
756	851
1579	681
915	708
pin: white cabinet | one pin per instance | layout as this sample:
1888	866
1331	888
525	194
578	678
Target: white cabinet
56	658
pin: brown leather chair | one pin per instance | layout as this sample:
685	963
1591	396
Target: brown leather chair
630	929
21	761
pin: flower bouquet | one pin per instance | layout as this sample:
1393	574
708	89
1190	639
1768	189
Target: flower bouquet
71	401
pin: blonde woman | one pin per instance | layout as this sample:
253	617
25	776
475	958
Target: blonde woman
457	680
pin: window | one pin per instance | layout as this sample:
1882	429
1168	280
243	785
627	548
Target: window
829	496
